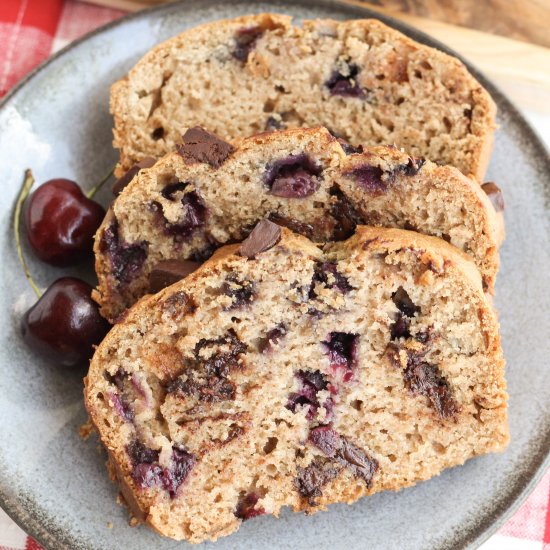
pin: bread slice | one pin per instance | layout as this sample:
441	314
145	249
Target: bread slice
190	203
366	82
282	373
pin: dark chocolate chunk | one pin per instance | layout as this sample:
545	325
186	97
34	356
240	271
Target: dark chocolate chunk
311	479
413	166
272	337
206	379
168	272
400	327
179	303
302	228
209	389
339	449
347	218
422	378
425	379
494	193
264	236
348	148
241	292
200	145
126	178
292	177
404	303
245	40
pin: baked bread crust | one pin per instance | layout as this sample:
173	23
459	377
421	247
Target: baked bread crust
386	368
367	83
182	209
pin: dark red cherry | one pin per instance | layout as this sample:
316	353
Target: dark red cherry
65	323
61	222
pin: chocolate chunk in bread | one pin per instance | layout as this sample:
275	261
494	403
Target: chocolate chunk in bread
168	272
368	83
200	145
265	235
215	414
301	179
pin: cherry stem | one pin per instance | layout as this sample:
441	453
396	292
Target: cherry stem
28	182
91	193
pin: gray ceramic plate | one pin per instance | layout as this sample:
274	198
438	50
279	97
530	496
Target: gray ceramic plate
55	485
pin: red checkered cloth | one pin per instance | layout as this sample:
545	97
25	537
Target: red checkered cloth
30	30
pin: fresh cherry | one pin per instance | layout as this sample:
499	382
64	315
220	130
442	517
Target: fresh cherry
61	222
65	324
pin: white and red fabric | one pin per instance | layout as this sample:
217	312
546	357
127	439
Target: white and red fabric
31	30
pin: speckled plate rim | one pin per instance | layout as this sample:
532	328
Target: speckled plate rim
540	463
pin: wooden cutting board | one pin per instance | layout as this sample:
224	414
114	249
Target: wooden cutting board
521	69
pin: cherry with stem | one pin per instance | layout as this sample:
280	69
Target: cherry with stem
61	221
64	324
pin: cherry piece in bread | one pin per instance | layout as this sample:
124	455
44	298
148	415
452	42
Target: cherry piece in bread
61	222
65	324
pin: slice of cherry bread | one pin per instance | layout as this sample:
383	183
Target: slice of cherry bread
208	194
283	373
366	82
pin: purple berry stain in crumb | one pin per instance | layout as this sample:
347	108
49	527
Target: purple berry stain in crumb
273	337
122	408
341	349
370	179
310	384
327	274
344	82
195	213
242	293
139	453
118	398
292	177
126	259
245	41
247	507
148	473
340	450
181	465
